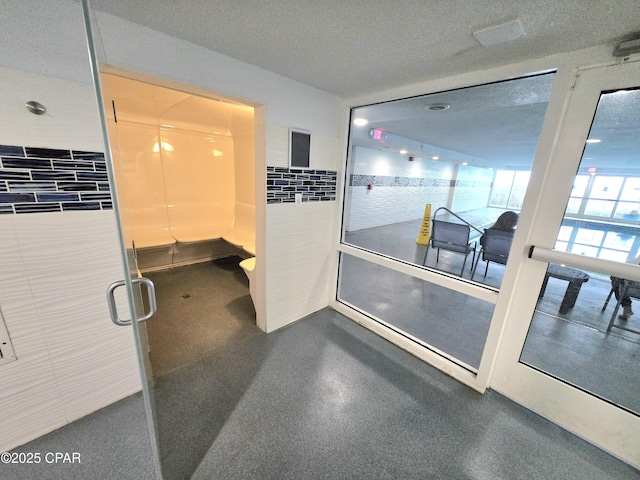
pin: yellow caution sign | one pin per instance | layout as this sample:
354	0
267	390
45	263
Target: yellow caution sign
425	228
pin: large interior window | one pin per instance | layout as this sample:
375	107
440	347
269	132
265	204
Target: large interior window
427	176
509	188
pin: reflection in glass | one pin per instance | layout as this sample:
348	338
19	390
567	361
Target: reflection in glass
473	158
449	321
575	347
592	341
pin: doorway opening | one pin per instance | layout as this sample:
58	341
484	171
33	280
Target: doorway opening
185	174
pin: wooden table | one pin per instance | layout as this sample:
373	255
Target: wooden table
575	278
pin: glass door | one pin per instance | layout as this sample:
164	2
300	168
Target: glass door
183	168
127	297
574	357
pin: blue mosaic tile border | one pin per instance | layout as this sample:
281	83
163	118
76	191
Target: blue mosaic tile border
34	180
315	185
388	181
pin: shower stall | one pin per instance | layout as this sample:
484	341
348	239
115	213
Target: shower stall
185	172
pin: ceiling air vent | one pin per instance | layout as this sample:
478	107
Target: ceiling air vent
627	47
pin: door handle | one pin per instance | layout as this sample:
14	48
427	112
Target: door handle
111	300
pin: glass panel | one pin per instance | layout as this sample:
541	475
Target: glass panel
466	153
579	185
599	208
565	233
125	232
618	241
580	332
575	346
589	237
574	205
451	322
606	188
518	190
631	189
501	188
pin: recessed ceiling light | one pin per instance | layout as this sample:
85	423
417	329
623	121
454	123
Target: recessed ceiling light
403	151
593	140
360	121
438	107
465	163
435	157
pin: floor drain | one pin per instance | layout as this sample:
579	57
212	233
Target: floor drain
186	295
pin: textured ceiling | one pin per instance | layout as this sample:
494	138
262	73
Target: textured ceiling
495	125
351	48
354	47
498	125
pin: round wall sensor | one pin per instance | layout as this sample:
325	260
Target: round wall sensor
36	108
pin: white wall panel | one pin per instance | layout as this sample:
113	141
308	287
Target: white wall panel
29	396
277	145
71	112
72	360
325	152
387	205
298	260
70	260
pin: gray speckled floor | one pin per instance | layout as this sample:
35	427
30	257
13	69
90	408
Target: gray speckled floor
325	398
332	400
113	443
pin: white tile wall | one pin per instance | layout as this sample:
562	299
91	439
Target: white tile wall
71	359
369	161
277	145
473	190
386	205
324	154
71	107
29	396
470	198
298	239
298	260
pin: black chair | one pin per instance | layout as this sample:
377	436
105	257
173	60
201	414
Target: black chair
495	248
628	288
453	237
